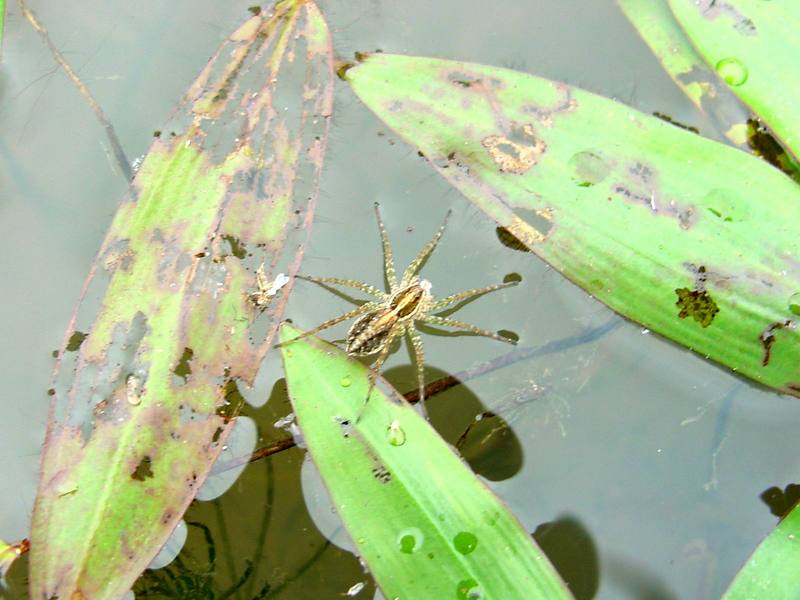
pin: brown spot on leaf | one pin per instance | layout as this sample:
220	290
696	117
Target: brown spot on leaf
713	9
75	341
518	151
642	186
143	470
237	247
100	408
217	433
184	368
233	401
764	144
342	68
767	338
667	119
462	79
696	304
382	474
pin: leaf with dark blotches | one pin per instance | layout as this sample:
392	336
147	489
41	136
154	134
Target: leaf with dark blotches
753	46
691	238
176	314
659	30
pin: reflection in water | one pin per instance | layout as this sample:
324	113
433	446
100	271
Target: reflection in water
321	508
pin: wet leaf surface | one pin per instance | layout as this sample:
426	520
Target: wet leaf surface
693	239
753	47
421	520
142	401
654	21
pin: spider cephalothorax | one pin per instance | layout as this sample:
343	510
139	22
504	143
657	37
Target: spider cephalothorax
397	312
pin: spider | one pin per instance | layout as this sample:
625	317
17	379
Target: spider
396	313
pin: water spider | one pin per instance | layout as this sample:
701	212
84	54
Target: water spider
397	313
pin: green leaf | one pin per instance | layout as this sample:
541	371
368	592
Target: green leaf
753	45
168	326
659	30
772	571
2	23
8	554
423	523
695	240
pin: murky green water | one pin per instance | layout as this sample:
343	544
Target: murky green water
639	465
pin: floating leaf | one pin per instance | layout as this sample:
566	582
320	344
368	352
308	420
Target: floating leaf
693	239
2	23
753	46
423	523
8	554
143	399
771	572
659	30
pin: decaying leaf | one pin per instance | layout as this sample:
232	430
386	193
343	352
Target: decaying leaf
140	405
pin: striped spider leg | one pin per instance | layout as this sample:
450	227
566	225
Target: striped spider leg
395	314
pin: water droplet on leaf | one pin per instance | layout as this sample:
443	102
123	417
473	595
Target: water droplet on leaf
588	168
395	434
468	589
732	71
410	540
794	303
465	542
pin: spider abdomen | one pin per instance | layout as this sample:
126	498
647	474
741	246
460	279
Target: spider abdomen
370	333
408	301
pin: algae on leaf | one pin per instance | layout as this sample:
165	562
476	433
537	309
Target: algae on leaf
753	46
693	239
659	30
139	402
422	521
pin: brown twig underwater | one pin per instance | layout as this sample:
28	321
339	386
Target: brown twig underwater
445	383
116	147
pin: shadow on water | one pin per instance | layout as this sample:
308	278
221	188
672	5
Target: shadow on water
484	439
571	549
229	557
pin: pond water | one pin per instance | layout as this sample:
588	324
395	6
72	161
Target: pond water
639	465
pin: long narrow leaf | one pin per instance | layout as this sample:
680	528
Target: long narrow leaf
693	239
423	523
771	572
141	397
754	47
659	30
2	24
